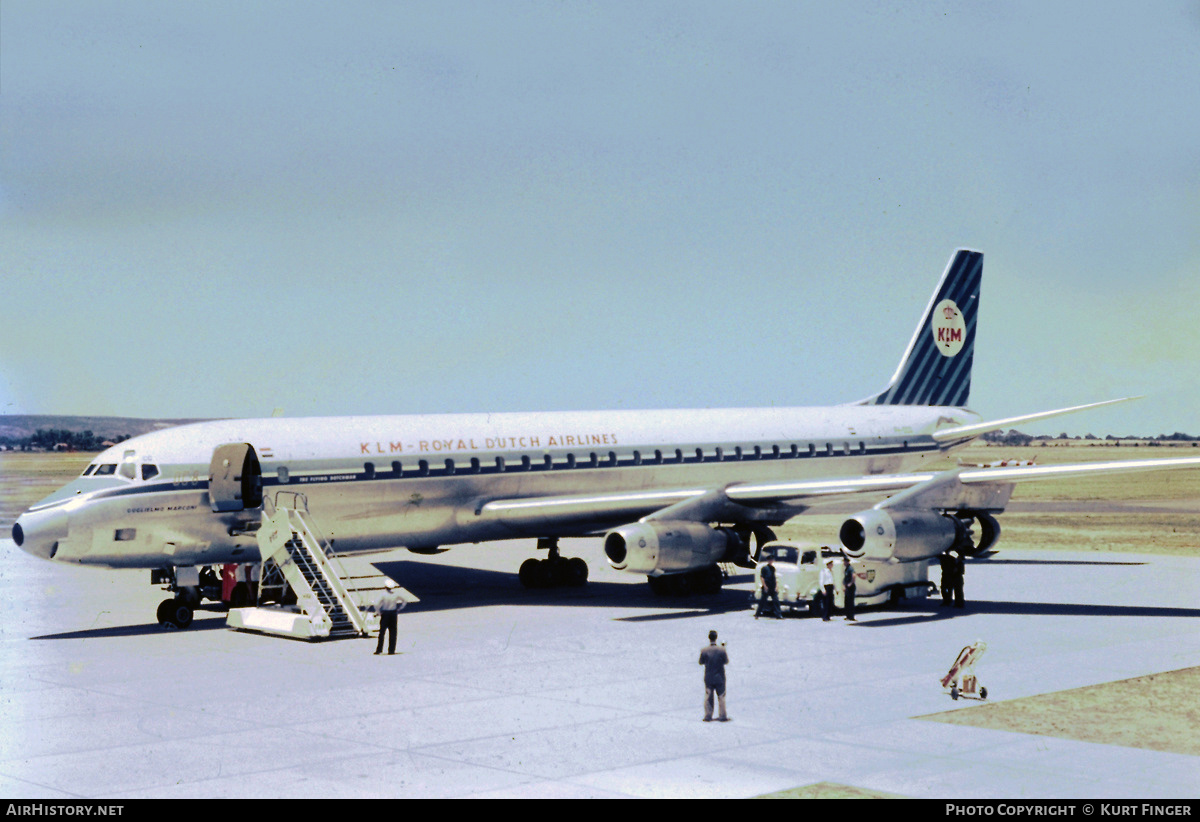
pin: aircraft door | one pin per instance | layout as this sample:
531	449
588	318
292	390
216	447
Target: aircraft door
234	478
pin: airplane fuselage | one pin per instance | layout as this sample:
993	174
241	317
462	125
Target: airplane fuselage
384	482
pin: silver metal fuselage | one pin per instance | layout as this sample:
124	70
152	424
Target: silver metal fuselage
384	482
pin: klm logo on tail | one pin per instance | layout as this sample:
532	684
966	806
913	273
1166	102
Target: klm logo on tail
936	369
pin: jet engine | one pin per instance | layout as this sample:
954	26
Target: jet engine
903	536
989	533
669	547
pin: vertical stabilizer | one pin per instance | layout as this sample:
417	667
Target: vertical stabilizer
936	368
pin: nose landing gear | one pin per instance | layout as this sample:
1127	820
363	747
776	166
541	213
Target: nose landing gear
175	613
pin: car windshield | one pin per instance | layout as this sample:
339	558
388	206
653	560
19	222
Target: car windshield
781	553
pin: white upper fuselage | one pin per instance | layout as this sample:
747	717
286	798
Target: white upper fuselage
420	481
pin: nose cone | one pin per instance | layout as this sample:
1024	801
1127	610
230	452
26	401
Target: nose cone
39	532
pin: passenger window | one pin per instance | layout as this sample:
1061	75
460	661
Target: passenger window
149	471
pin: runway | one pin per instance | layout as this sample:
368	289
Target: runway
593	692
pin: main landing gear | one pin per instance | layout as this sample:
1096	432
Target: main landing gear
554	571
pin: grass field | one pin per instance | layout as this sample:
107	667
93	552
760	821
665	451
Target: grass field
27	478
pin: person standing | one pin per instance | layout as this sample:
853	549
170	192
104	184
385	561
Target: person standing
960	570
848	588
769	590
390	604
827	588
714	658
947	563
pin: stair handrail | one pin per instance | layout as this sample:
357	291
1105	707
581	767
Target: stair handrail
331	569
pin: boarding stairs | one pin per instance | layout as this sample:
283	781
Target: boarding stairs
330	604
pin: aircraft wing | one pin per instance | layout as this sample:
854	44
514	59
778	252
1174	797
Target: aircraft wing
748	502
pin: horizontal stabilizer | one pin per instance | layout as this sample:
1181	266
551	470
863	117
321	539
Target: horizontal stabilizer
962	432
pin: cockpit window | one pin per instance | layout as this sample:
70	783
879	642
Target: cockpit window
149	471
128	467
88	470
106	470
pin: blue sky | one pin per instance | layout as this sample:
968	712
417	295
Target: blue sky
220	209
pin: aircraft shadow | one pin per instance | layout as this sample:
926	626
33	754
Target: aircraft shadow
986	562
216	623
447	587
933	612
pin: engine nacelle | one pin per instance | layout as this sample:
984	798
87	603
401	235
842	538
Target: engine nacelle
903	536
666	547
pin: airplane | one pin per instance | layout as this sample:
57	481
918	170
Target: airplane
671	492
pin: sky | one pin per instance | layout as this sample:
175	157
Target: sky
220	209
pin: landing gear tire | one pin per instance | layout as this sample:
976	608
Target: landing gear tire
555	571
239	597
530	573
175	613
577	572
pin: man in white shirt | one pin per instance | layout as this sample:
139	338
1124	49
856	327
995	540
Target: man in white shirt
827	587
390	604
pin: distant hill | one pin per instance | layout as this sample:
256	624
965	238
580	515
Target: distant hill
15	427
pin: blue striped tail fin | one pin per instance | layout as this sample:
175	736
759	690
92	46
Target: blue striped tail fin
936	368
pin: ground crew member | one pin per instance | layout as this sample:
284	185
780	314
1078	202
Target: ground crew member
767	575
947	563
827	587
714	658
848	588
960	570
390	604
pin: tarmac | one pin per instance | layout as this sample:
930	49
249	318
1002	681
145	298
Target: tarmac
497	691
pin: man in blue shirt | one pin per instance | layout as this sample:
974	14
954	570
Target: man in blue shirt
714	658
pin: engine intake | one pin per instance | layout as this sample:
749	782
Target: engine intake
666	547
